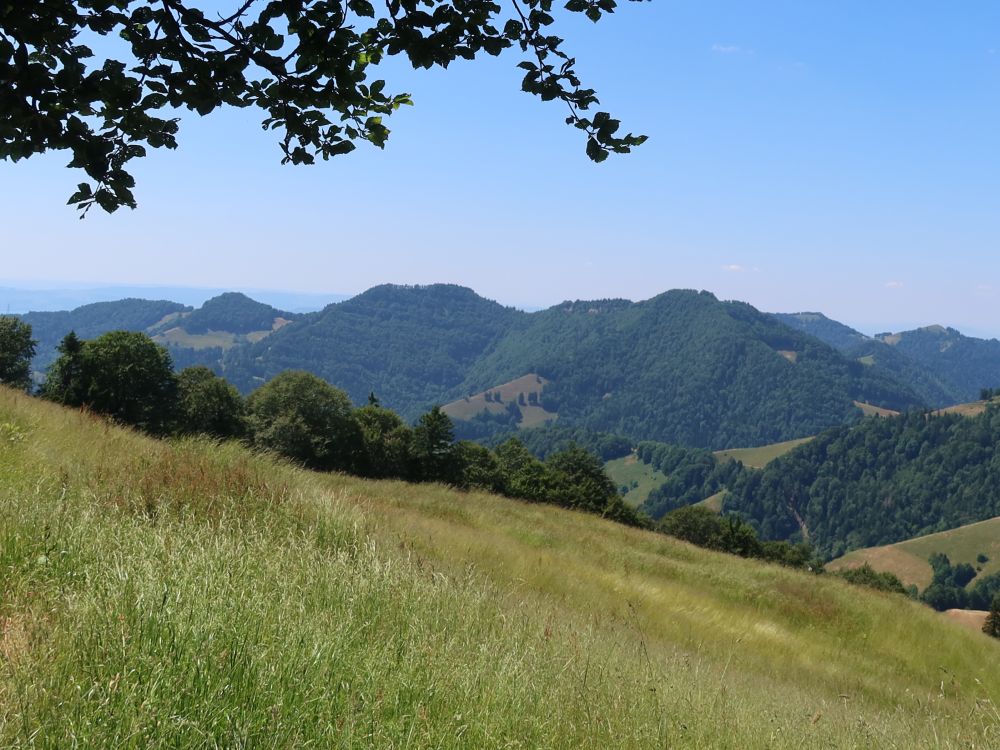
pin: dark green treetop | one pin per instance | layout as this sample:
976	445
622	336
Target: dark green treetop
307	65
16	350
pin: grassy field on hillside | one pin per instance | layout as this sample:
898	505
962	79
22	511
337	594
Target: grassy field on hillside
531	415
870	410
758	458
908	559
189	594
625	471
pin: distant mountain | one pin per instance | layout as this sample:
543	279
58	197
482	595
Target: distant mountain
964	363
410	345
684	367
939	364
48	328
234	312
21	298
836	334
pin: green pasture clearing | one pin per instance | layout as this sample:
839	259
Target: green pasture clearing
625	471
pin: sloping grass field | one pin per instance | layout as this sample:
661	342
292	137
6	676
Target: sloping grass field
908	559
531	415
158	595
758	458
624	471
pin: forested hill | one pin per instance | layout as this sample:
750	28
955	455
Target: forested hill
929	385
233	312
878	482
836	334
48	328
966	363
684	367
409	344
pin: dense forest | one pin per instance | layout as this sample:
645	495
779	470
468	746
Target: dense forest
966	363
411	345
942	366
684	367
877	482
235	313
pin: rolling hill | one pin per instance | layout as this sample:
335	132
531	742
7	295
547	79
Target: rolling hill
190	594
934	387
684	367
878	482
409	345
48	328
965	363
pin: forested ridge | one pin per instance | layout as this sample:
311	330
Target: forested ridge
684	367
877	482
966	363
941	365
235	313
48	328
411	345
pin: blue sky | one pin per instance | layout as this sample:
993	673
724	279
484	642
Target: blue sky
834	156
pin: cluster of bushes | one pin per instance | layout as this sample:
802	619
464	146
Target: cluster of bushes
950	587
706	528
692	475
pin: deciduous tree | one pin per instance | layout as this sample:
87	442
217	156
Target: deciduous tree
307	65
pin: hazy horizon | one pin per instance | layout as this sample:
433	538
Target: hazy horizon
301	301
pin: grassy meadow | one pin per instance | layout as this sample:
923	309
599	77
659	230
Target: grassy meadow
758	458
531	415
624	471
188	594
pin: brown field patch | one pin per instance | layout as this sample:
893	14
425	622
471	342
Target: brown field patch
14	632
761	456
870	410
971	409
972	619
791	356
908	567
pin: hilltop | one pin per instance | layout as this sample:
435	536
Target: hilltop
262	603
966	363
939	380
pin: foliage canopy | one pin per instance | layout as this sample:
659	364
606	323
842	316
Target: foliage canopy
307	65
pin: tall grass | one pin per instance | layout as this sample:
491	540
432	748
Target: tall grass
191	594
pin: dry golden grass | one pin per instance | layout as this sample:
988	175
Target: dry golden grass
870	410
908	559
758	458
973	619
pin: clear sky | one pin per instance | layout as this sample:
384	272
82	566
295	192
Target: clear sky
839	156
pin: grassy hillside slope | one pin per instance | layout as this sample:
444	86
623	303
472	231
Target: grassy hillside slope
629	470
908	559
761	456
165	595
